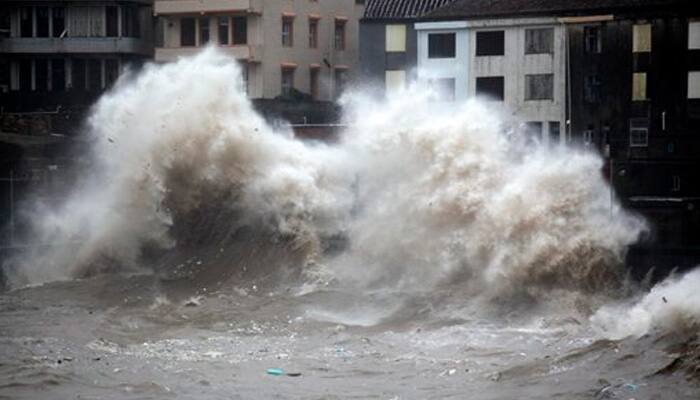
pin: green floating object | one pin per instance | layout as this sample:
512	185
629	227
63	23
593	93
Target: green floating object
275	371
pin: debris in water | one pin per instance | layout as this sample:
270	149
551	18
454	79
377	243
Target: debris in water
630	386
275	371
294	374
193	301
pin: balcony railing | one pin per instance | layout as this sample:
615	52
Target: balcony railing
209	6
99	45
165	54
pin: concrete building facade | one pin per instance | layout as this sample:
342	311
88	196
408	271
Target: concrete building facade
290	48
67	52
518	64
388	41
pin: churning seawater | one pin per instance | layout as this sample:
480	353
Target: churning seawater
426	254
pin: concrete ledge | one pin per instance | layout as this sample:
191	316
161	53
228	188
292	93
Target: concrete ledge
99	45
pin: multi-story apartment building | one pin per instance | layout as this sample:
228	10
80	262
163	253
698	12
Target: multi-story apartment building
388	52
516	63
288	48
66	52
623	76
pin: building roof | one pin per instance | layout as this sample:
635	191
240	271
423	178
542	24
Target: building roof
505	8
401	9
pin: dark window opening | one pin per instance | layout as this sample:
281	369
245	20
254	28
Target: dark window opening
112	17
79	74
539	41
131	26
240	30
4	76
591	89
25	22
539	87
287	32
490	43
340	81
313	82
339	35
25	75
111	72
554	132
59	21
287	81
58	75
533	130
313	33
491	87
441	45
592	39
41	75
223	31
187	32
94	71
203	31
5	22
42	22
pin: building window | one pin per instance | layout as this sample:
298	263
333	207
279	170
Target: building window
588	137
395	38
131	27
58	75
41	75
42	21
341	75
444	87
94	71
694	35
539	41
240	30
639	132
79	74
533	129
224	39
203	31
314	73
287	81
25	75
287	31
539	87
591	89
313	33
490	43
394	80
441	45
26	22
112	17
59	21
641	38
490	87
187	32
694	85
554	132
676	180
111	72
592	39
340	34
639	86
5	23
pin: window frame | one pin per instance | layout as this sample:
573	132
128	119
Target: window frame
530	96
480	47
438	51
530	33
288	33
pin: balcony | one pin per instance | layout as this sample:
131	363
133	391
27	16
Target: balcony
166	54
209	6
95	45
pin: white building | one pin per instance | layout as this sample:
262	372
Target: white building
519	64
